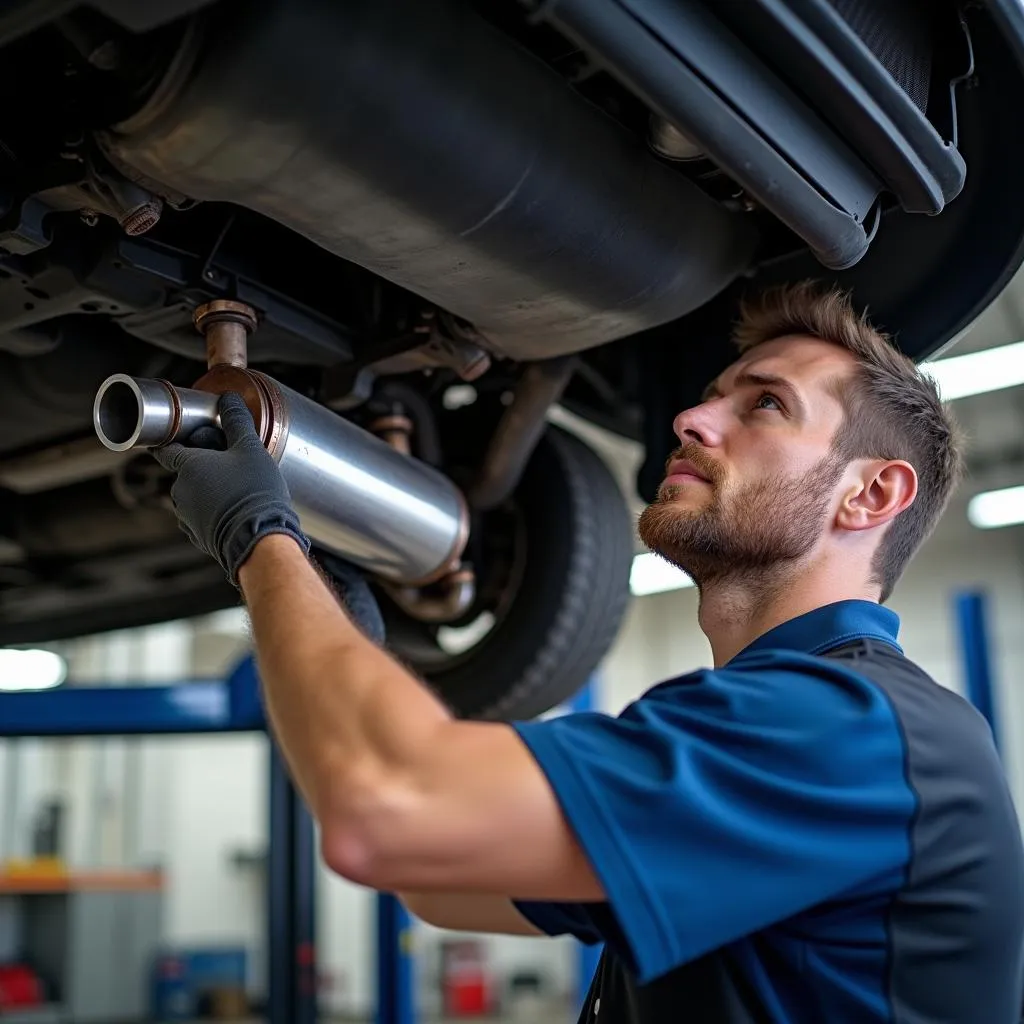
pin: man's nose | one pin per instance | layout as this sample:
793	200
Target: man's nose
701	424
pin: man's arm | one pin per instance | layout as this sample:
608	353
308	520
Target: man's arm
468	912
407	797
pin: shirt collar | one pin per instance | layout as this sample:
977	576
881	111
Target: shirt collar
831	626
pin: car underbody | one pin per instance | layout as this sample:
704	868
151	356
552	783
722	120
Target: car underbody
464	212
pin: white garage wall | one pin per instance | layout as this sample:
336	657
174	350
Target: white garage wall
216	810
207	796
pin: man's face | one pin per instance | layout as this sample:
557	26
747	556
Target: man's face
753	486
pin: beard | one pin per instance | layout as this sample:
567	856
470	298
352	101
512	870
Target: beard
757	534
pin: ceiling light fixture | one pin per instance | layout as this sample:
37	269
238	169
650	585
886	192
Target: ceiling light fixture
31	669
992	509
977	373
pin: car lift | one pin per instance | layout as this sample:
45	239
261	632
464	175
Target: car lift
233	705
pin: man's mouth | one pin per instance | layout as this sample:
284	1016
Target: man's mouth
682	471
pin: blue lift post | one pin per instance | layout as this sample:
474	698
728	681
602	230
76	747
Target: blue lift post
972	621
395	990
208	706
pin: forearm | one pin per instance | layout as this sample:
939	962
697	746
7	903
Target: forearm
468	912
407	798
345	714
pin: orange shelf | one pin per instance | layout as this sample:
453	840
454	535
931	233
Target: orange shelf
78	881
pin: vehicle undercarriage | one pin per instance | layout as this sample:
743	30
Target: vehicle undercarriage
462	213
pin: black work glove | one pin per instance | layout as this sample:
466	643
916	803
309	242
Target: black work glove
228	497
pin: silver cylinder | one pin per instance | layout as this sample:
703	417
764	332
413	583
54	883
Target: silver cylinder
135	412
355	496
393	514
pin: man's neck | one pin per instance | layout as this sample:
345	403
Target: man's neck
735	613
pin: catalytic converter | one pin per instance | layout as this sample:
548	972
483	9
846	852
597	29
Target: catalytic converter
357	496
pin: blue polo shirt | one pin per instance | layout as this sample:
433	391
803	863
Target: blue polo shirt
814	832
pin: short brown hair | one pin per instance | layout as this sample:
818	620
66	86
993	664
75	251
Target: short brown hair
892	410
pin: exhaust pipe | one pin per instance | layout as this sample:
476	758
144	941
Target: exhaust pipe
356	496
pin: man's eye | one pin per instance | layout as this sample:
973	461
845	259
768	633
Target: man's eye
770	399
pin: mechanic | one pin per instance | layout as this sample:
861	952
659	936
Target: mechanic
811	830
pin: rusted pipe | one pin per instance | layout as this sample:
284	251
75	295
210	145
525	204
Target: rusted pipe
519	430
453	594
226	325
396	429
445	601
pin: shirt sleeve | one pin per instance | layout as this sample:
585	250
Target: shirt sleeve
727	801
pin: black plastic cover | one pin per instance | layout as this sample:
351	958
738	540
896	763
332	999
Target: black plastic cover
854	91
816	144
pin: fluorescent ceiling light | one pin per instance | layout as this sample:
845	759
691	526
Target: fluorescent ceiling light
30	670
651	574
978	372
996	508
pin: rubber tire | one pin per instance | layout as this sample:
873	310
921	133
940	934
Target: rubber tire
571	596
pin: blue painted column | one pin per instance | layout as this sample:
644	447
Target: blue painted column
291	903
975	657
304	889
587	957
292	989
395	995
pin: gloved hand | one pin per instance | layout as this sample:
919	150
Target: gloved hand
228	497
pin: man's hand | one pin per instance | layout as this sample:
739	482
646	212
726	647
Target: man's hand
228	498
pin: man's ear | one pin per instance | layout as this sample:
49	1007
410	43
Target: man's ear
882	490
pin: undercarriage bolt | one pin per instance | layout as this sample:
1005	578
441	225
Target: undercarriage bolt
142	218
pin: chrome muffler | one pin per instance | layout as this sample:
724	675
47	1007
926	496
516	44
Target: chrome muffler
356	495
